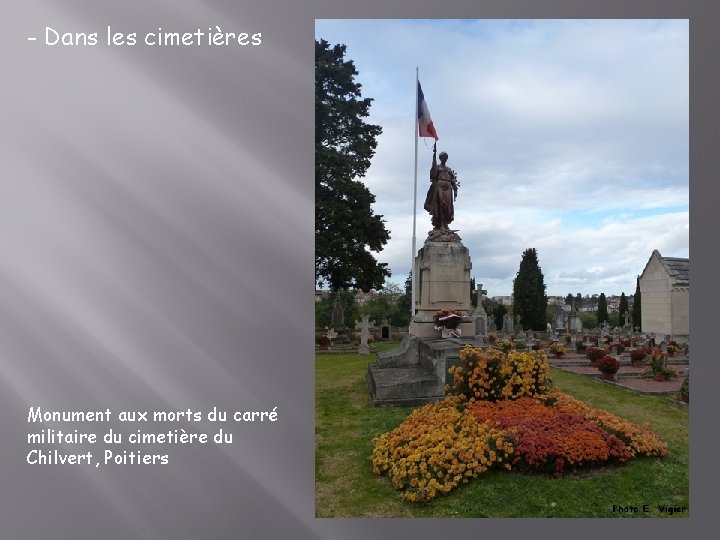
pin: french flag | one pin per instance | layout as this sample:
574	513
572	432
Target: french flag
425	123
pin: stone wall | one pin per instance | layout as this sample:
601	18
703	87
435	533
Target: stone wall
680	299
665	310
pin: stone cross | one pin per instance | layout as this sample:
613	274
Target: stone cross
331	334
364	348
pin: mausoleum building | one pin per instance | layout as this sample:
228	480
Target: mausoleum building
665	296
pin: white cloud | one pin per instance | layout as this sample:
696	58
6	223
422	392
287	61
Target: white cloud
568	136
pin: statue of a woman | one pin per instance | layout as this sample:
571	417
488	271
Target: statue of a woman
442	192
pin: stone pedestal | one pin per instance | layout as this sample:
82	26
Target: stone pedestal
414	374
442	274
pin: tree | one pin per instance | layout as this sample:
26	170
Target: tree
589	321
322	313
602	310
346	228
499	314
385	306
529	292
325	307
623	309
405	301
636	311
569	299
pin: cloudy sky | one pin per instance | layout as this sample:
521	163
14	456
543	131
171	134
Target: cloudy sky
569	136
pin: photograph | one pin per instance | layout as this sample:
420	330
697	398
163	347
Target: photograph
502	275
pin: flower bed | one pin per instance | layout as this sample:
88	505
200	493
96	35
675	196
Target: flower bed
443	445
501	415
495	375
437	448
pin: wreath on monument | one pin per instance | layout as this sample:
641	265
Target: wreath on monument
448	319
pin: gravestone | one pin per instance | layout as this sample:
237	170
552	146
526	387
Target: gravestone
364	348
480	326
491	325
481	318
337	316
507	324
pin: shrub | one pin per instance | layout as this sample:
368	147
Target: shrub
505	346
685	389
637	355
608	364
594	354
557	349
658	366
494	375
322	339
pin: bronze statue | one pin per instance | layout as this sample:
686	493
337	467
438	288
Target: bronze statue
442	192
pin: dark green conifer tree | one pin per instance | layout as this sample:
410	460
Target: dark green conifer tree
530	300
637	309
602	310
623	309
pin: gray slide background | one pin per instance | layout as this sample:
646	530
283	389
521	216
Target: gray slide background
156	252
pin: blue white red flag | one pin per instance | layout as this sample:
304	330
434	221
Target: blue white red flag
425	123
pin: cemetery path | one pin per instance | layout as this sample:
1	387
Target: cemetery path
628	376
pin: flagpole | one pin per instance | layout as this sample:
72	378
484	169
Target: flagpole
412	259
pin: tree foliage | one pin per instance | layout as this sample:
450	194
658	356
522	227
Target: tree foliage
602	310
530	300
589	320
637	310
499	315
495	310
386	306
324	309
404	303
623	309
346	228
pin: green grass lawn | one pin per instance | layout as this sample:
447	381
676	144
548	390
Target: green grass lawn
346	422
